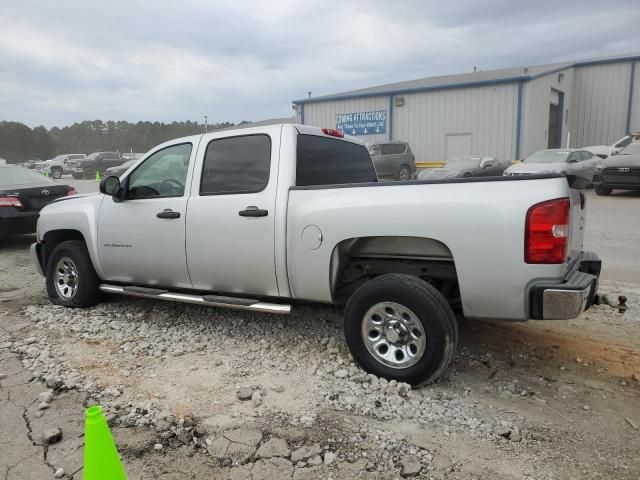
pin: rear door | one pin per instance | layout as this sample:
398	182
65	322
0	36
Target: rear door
385	163
589	161
231	214
112	160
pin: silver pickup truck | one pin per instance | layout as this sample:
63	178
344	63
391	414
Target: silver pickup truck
263	218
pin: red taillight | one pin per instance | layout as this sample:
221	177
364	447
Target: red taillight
10	201
332	132
73	191
546	232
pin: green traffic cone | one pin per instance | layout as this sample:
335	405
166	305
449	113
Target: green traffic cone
45	173
101	459
97	175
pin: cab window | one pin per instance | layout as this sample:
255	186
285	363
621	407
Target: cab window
161	175
236	165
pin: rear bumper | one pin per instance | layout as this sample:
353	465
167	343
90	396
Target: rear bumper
566	300
18	223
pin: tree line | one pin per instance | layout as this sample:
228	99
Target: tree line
19	143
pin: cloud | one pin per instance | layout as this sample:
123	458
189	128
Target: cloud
68	61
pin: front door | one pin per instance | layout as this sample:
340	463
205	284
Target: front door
141	239
231	215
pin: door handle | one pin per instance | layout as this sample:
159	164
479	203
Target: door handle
168	213
253	211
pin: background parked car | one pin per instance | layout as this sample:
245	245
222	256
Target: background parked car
120	169
580	163
31	163
605	151
58	166
97	161
23	193
466	166
393	160
619	172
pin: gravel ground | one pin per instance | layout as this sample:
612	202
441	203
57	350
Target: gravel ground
230	386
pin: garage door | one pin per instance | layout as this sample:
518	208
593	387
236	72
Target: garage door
457	145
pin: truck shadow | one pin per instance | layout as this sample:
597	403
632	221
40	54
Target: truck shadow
552	344
18	242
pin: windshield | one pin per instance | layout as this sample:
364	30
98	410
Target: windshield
548	156
19	176
93	155
632	149
128	163
462	162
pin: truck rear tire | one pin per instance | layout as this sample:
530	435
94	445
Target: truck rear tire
399	327
89	173
71	279
404	173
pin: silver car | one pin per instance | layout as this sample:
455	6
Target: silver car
580	163
464	167
393	160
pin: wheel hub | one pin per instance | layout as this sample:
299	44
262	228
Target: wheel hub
396	333
66	278
393	335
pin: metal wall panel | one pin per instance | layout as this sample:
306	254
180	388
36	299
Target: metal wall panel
536	99
323	114
600	104
487	113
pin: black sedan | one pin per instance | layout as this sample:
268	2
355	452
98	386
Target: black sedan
466	166
619	172
23	193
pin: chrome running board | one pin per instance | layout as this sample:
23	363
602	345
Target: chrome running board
208	300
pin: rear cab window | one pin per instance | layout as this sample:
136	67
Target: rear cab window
331	161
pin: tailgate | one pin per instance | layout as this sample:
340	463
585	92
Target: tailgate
578	219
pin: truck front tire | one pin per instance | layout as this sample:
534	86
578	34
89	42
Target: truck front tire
399	327
56	172
71	278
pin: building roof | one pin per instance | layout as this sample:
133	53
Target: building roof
489	77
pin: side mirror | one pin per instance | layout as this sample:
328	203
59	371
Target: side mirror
110	186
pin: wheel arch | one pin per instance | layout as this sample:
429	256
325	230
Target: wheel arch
356	260
53	238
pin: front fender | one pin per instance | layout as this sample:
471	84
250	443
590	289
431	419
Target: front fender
78	214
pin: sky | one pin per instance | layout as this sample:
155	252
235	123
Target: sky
68	61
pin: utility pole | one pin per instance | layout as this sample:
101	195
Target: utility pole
206	127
